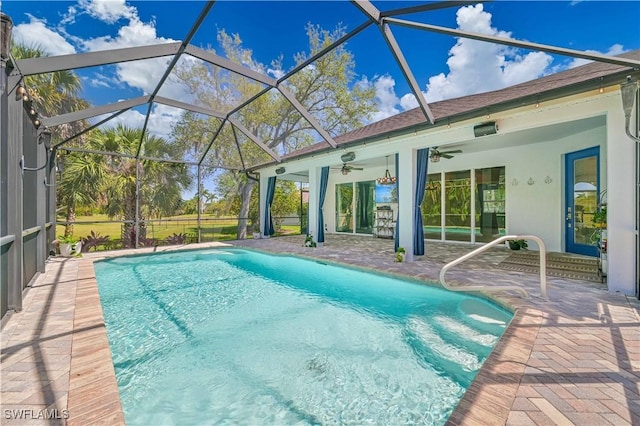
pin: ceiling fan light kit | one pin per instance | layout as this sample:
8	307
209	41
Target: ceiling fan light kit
435	155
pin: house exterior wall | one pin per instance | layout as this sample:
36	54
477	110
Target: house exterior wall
531	143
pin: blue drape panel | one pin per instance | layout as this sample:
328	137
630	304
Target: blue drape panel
268	219
421	183
324	179
396	242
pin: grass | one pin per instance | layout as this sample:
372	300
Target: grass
212	229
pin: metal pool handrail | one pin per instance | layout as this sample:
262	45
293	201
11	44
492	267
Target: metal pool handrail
543	267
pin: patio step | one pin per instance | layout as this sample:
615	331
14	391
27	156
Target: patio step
558	265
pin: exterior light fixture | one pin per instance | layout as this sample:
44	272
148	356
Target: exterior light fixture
348	156
344	171
21	93
435	157
45	138
387	179
484	129
280	170
629	91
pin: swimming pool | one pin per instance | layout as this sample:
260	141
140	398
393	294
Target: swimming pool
240	337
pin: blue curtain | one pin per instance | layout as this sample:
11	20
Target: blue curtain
268	219
396	242
421	182
324	179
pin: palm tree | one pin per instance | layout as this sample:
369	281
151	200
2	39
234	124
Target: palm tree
84	174
161	183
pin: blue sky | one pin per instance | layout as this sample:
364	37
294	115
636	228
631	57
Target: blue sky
444	67
270	29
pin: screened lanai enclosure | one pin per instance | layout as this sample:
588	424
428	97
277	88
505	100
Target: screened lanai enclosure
203	118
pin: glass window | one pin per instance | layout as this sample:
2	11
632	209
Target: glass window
490	221
344	207
432	208
458	205
490	204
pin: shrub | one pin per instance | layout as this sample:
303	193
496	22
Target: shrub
93	240
176	239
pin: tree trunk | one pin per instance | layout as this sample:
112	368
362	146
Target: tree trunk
129	229
245	197
71	218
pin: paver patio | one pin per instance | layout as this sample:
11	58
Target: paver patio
571	359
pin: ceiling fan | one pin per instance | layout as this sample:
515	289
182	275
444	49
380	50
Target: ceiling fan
435	154
346	168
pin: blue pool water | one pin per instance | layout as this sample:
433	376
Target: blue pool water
239	337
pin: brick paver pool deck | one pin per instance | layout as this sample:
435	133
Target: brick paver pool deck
571	359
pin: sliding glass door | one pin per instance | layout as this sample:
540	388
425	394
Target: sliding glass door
354	209
457	202
344	207
365	192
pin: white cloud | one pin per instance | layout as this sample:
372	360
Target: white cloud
142	74
386	96
473	66
109	11
131	118
161	120
101	80
476	66
408	101
37	34
616	49
275	73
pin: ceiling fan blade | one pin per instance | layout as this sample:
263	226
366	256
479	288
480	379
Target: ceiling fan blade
455	151
356	168
447	156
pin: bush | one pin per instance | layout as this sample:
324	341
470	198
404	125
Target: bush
176	239
93	240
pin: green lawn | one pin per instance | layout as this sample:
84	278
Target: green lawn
212	229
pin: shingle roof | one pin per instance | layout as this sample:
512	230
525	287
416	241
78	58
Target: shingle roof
552	86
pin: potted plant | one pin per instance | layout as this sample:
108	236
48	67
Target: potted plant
308	242
518	244
400	253
600	218
254	229
65	244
